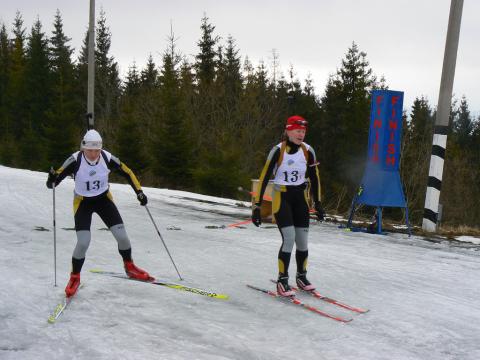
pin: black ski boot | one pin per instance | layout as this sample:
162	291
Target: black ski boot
303	283
283	289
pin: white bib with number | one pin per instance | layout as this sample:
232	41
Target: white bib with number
92	180
292	169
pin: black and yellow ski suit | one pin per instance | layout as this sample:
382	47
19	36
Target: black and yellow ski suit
92	195
290	204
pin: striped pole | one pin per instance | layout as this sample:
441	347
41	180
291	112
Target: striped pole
437	158
435	173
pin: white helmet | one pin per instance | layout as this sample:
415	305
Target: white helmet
91	140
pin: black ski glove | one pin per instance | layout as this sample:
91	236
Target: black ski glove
142	198
52	178
256	218
319	212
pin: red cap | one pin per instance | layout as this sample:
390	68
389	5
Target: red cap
296	122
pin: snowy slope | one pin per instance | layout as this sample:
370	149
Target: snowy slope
424	297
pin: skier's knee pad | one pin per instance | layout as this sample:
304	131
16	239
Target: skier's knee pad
301	238
288	236
83	241
121	236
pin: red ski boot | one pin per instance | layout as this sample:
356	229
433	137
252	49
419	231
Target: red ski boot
73	284
135	272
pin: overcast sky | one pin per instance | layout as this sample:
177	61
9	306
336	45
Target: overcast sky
404	39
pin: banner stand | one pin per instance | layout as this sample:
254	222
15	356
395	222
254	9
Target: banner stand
381	185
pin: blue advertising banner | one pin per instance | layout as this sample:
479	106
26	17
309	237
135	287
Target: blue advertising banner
385	136
381	184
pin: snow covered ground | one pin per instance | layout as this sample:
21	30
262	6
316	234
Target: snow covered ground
469	239
424	298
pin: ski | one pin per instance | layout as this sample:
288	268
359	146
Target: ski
319	296
294	300
61	307
170	285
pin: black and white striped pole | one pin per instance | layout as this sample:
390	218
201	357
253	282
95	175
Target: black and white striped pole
432	198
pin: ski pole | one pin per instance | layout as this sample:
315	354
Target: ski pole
161	238
54	235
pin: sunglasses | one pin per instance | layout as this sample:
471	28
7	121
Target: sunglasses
301	122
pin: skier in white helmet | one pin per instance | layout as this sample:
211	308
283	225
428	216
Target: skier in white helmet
90	168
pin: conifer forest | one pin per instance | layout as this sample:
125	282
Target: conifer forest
206	122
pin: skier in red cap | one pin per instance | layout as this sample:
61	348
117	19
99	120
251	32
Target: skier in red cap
291	162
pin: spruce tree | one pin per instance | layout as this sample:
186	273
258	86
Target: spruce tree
16	90
5	67
261	126
421	122
476	141
133	82
229	83
38	77
463	125
308	102
187	86
206	59
81	78
205	71
130	142
223	160
171	150
62	129
220	174
188	95
38	99
343	125
148	106
14	96
417	143
149	75
107	81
